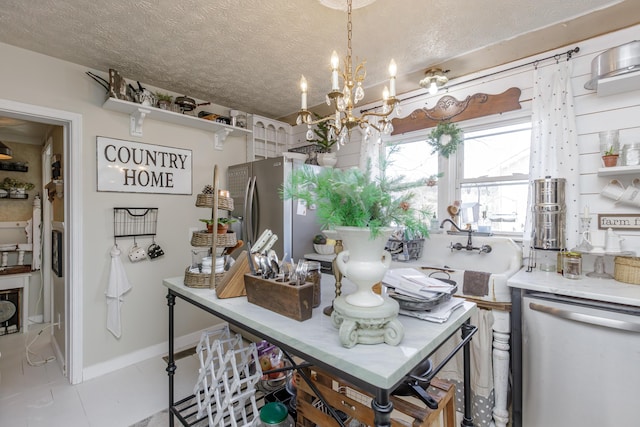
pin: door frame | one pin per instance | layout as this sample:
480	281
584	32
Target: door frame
72	249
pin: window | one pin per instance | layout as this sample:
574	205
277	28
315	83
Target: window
413	160
493	177
488	174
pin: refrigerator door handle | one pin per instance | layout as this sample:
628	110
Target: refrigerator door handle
245	212
587	318
249	210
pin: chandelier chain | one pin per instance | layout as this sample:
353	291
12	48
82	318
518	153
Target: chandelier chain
349	28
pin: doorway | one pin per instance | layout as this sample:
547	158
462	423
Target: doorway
71	235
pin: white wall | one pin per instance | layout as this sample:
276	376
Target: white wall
36	79
593	114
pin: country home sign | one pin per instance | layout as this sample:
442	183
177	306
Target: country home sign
133	167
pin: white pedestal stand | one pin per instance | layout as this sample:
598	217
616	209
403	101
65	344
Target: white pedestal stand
367	325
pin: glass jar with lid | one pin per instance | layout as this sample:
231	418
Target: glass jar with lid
572	265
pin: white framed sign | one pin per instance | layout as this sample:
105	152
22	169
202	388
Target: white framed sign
619	221
134	167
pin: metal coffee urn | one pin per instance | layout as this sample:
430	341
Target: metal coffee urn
549	216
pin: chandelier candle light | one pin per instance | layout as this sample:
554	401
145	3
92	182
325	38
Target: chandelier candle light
343	120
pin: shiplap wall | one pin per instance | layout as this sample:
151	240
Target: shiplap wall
593	114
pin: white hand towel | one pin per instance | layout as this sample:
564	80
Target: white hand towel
118	286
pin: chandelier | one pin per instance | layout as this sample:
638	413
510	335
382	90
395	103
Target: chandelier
343	120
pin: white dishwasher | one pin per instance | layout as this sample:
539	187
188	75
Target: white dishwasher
581	362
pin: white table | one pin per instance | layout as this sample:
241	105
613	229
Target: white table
377	369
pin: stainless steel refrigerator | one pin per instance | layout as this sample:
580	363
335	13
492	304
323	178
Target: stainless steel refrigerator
255	189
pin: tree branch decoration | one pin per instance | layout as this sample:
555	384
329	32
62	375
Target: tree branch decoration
445	139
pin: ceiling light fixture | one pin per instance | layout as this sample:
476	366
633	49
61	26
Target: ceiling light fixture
434	79
5	152
342	121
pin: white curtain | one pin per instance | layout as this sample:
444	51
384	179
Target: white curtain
554	143
482	396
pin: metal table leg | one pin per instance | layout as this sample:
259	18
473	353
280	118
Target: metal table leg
171	365
467	329
382	408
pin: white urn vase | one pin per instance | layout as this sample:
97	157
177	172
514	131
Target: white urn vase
367	263
327	159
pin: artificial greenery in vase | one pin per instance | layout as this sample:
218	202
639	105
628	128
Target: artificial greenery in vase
352	197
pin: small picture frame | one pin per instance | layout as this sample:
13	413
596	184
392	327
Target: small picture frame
56	252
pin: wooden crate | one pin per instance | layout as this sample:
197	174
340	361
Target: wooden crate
295	302
408	412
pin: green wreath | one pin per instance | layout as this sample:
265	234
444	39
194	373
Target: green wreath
445	128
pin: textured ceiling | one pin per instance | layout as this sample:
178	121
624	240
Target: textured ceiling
249	54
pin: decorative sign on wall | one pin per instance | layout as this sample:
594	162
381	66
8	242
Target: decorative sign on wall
133	167
619	221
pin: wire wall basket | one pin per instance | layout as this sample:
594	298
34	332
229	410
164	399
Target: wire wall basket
132	222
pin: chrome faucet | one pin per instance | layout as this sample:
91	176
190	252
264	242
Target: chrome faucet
458	246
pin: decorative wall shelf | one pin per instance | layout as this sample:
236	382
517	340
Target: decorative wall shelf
13	167
138	113
24	196
619	170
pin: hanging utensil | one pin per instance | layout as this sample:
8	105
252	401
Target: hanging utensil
102	82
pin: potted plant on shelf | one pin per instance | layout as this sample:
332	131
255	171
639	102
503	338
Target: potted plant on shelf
610	157
223	224
324	143
16	187
163	100
222	227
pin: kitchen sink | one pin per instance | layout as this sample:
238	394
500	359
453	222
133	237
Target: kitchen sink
440	261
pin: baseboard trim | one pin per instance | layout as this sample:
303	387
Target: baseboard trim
157	350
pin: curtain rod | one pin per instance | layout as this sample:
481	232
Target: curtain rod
535	63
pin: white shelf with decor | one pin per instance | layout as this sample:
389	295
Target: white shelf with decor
619	170
138	113
270	138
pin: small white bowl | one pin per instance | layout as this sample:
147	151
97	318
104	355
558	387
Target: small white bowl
324	249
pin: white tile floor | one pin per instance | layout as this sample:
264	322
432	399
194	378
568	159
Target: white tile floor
35	396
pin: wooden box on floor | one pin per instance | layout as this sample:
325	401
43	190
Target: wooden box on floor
408	412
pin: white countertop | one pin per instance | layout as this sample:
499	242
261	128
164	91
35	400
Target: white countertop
316	339
607	290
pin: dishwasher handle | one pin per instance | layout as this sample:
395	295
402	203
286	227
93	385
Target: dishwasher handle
587	318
